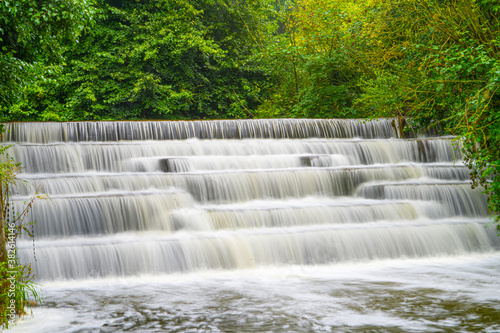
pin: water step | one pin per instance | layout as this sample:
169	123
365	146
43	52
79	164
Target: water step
459	197
171	211
125	255
228	154
178	130
103	213
237	186
316	211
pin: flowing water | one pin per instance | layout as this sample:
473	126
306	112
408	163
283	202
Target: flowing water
253	226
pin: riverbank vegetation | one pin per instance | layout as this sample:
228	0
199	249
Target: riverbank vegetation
17	289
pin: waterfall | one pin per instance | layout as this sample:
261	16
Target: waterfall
179	130
173	197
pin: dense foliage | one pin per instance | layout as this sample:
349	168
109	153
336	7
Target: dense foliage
157	59
31	37
434	62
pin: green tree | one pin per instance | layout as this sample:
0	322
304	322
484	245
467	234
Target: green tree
31	37
314	59
167	59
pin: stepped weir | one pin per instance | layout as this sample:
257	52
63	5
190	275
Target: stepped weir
211	201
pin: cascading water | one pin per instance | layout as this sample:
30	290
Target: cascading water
253	225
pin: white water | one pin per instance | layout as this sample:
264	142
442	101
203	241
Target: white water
280	225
